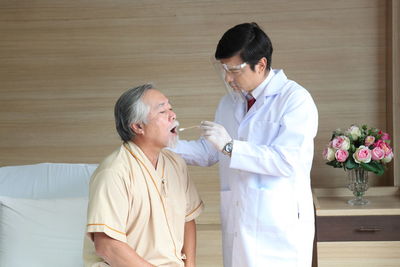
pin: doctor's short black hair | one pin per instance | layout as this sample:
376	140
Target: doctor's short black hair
248	41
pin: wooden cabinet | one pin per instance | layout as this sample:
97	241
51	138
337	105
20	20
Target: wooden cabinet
357	235
359	254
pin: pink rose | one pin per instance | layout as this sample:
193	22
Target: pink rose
369	140
378	143
377	153
384	146
388	157
328	154
341	142
341	155
384	136
362	154
337	142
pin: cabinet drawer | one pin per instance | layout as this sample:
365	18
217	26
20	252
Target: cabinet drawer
358	228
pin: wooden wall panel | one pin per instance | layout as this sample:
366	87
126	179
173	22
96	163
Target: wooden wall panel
63	64
393	86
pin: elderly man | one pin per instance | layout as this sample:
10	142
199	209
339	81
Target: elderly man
142	203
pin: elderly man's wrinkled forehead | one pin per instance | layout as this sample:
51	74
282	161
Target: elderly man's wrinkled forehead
155	99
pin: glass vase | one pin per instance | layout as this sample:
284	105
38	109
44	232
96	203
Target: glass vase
358	184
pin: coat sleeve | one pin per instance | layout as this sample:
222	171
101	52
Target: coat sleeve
292	147
197	153
200	152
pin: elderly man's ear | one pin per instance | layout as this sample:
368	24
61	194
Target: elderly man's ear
137	128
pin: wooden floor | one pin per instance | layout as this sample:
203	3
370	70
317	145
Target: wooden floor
209	249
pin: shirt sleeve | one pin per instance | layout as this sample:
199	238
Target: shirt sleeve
197	152
194	204
108	205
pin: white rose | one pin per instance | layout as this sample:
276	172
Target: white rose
354	132
328	153
346	143
388	158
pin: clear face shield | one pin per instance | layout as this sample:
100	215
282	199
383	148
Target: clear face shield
228	74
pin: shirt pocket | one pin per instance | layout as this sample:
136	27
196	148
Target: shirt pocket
263	132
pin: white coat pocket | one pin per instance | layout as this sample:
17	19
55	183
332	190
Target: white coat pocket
268	210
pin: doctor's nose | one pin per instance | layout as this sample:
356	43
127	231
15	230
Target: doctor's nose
228	77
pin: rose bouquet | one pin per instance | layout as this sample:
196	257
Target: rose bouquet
357	147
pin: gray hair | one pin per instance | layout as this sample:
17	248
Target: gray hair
130	109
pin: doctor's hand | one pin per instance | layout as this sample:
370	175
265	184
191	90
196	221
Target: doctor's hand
215	133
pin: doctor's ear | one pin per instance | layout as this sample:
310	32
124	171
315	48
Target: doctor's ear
137	128
262	64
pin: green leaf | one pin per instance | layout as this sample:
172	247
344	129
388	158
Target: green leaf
368	167
380	167
351	164
374	167
381	170
352	149
334	164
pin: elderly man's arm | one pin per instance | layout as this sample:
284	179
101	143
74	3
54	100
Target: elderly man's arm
189	243
117	253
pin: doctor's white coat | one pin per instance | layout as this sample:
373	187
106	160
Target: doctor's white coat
267	211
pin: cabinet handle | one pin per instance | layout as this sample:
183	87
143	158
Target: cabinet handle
369	229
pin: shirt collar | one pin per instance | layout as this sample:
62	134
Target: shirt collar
259	89
138	152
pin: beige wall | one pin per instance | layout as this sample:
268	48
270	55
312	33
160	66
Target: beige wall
63	64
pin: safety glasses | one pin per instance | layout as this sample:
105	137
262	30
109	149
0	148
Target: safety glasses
233	69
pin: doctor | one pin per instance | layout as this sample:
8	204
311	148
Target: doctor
262	138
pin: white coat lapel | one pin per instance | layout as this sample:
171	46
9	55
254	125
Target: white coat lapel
276	84
273	87
239	109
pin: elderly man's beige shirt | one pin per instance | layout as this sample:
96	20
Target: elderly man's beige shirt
147	208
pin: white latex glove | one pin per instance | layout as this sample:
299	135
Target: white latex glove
215	133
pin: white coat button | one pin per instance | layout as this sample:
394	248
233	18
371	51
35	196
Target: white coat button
237	203
235	234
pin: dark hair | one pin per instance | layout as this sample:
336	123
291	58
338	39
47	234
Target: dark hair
131	109
248	41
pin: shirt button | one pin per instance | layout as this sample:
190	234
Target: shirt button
235	234
237	203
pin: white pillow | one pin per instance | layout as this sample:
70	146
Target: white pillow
42	233
46	180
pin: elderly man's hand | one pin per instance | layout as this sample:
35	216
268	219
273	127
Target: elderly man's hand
215	133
